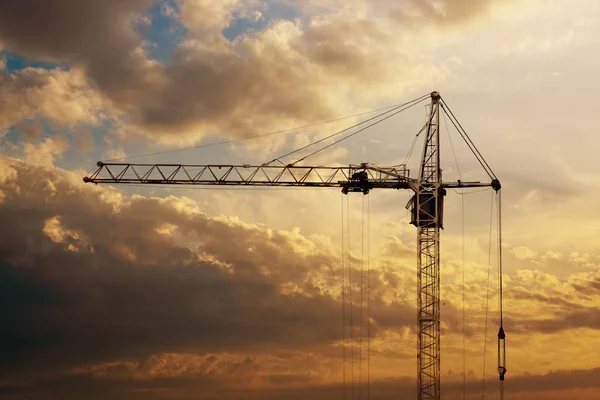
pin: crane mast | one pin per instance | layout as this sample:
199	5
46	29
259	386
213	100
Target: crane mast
426	208
427	205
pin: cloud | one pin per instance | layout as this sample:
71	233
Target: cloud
72	240
395	248
287	73
115	154
156	253
194	16
45	152
523	253
31	130
141	292
447	13
567	320
591	286
95	35
91	277
63	97
553	385
557	304
7	177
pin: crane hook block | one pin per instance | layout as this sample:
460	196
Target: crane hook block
502	372
501	353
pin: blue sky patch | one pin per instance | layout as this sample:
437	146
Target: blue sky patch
16	62
272	11
164	33
242	25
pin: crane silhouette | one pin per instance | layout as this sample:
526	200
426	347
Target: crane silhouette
426	206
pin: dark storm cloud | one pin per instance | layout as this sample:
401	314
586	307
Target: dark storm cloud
555	299
560	380
221	89
582	317
522	387
83	283
557	310
590	288
96	34
203	86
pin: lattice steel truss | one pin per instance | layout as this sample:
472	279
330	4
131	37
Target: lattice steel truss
427	216
362	177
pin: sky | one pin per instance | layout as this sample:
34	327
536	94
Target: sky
130	292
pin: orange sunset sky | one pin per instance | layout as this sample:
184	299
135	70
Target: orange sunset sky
146	292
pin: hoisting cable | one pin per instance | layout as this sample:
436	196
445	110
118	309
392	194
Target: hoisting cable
362	268
368	297
418	100
406	107
350	295
464	323
462	233
467	140
343	295
501	334
487	298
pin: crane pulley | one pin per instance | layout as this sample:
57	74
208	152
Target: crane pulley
426	207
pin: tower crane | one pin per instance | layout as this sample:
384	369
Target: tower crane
426	206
